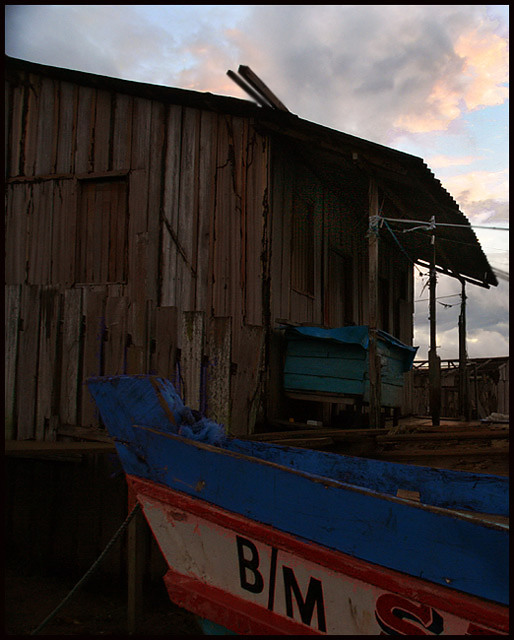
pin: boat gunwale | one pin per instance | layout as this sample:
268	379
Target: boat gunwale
477	518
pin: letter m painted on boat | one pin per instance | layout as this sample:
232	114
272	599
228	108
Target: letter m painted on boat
314	598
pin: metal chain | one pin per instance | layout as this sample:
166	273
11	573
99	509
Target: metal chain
111	542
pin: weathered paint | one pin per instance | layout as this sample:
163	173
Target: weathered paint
254	579
424	541
444	488
438	545
336	361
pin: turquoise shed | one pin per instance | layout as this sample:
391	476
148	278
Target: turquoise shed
336	361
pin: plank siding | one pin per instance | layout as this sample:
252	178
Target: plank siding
48	373
85	130
221	251
27	362
30	125
121	141
141	127
166	342
46	144
15	134
286	210
219	341
70	357
156	166
138	254
16	233
102	131
206	204
39	232
193	339
280	291
248	356
12	318
169	251
187	218
236	215
116	335
63	233
67	123
257	217
94	327
133	210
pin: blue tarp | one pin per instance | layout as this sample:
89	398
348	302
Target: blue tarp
354	335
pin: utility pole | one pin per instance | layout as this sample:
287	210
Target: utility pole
464	405
374	358
434	362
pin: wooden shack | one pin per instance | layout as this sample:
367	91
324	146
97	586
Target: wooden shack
157	230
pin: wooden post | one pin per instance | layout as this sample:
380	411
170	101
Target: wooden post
434	362
374	359
464	405
192	350
136	560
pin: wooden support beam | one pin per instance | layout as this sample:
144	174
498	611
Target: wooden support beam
374	358
254	80
444	436
434	362
42	448
308	443
334	434
464	400
248	89
482	453
136	561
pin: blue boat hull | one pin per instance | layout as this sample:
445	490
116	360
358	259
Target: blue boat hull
339	502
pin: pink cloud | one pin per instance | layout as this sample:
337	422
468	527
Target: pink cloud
480	82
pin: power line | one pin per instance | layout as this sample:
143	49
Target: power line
438	298
431	224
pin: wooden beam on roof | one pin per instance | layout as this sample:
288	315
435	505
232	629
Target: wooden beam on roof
254	80
464	401
248	89
434	361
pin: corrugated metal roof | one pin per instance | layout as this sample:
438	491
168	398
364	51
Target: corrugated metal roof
346	163
343	161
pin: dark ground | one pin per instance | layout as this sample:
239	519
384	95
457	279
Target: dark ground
99	607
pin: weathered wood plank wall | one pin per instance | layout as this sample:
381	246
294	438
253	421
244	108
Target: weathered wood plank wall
127	214
123	214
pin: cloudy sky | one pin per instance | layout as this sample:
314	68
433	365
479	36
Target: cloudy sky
430	80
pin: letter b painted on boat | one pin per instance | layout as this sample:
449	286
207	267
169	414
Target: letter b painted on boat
250	578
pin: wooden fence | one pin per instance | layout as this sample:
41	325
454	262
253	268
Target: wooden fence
488	382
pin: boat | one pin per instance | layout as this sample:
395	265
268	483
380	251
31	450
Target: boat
264	539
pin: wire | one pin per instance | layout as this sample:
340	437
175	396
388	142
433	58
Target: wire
401	248
438	298
428	224
115	537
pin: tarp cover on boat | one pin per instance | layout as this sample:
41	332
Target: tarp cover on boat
354	335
